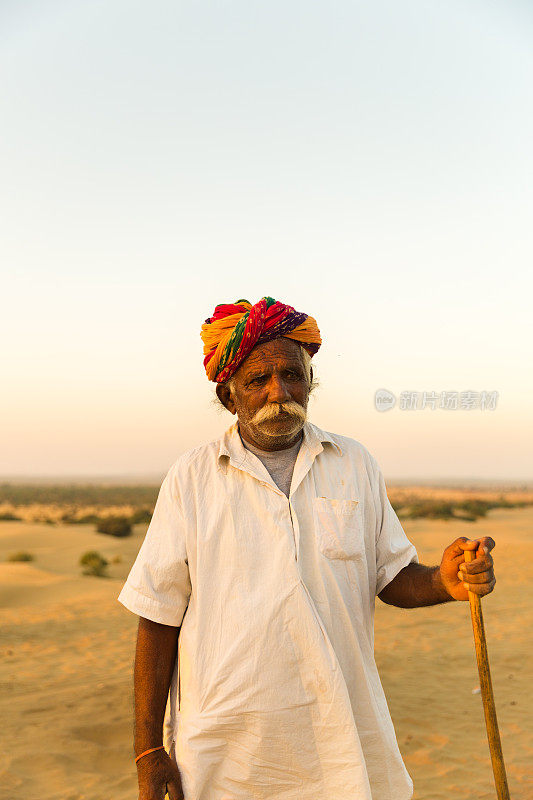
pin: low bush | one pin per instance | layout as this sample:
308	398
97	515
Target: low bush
472	509
141	515
94	563
114	526
466	510
22	555
431	509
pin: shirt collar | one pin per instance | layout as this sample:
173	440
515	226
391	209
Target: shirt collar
232	447
315	434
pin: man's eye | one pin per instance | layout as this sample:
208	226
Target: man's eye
257	380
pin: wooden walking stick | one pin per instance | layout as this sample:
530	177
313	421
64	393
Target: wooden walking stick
487	695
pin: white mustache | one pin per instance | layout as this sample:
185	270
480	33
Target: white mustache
272	410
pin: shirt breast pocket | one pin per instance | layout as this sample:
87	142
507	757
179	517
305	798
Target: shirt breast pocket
338	528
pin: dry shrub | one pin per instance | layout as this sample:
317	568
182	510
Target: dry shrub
94	563
22	555
115	526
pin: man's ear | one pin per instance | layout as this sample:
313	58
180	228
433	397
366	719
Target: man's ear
224	395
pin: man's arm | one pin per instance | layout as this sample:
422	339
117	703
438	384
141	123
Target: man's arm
417	585
155	658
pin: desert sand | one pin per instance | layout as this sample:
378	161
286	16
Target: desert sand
67	647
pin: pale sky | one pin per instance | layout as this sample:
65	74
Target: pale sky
368	163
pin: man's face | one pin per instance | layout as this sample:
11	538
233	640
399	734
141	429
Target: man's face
269	394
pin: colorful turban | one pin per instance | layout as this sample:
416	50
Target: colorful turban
230	335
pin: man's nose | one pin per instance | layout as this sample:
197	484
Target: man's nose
278	391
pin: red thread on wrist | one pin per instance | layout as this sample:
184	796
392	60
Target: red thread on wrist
152	750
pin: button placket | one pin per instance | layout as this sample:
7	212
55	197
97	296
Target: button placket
295	528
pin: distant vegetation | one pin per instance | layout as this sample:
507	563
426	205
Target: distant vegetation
78	495
141	515
115	526
76	504
94	563
468	510
8	516
115	509
22	555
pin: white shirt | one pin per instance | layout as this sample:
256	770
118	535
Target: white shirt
275	693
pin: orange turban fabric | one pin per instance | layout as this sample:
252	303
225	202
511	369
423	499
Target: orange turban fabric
233	331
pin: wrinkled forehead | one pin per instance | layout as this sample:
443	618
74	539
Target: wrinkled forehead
279	352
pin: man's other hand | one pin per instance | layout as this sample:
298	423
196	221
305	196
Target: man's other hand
477	576
157	775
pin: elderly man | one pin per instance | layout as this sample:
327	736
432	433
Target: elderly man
255	587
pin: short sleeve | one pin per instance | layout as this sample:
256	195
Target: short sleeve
394	550
158	586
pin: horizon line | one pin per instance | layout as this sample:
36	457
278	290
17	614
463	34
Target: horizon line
155	479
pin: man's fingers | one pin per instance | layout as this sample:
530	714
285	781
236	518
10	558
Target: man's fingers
487	542
174	787
466	544
174	790
481	548
480	577
477	575
456	550
481	588
484	564
483	545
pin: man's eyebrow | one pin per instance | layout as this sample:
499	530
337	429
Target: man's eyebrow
296	367
256	373
260	371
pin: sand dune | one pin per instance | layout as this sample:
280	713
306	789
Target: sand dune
67	648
